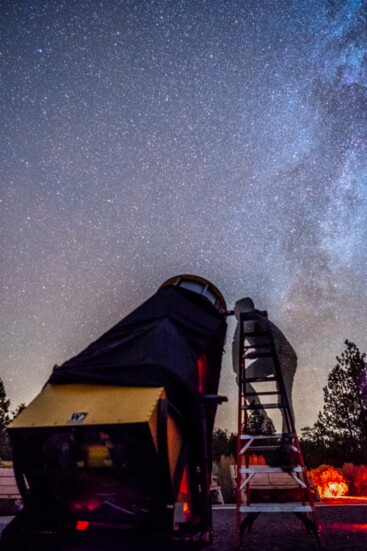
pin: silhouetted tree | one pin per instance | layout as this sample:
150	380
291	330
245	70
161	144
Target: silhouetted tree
5	417
223	444
256	424
4	407
19	409
4	420
340	432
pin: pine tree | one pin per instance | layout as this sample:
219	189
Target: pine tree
220	444
4	408
341	427
223	444
4	420
256	424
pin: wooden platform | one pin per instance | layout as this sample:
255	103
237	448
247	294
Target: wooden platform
269	481
8	485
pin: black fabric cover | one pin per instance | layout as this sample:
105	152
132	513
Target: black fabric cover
158	344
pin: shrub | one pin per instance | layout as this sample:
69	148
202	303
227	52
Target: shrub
357	476
221	470
360	480
330	481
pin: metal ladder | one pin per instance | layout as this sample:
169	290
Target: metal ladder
250	500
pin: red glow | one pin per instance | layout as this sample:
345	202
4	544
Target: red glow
183	495
82	525
329	481
352	499
353	527
202	365
184	485
90	504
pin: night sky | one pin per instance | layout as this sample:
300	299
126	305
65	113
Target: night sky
143	139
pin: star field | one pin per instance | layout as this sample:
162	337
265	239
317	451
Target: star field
140	140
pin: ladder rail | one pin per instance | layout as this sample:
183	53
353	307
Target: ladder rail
240	429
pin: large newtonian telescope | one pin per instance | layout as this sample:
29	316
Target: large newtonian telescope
120	436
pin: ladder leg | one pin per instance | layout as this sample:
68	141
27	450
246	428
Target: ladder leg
308	523
248	523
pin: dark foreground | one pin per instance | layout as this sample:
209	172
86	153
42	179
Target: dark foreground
344	529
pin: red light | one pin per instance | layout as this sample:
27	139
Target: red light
329	481
202	366
183	497
345	527
184	485
82	525
89	504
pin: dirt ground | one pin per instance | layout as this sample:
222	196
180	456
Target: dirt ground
343	529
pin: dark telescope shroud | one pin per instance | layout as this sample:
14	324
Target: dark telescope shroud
121	434
161	343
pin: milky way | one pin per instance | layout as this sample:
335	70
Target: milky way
140	140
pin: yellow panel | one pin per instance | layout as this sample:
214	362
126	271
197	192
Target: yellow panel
66	405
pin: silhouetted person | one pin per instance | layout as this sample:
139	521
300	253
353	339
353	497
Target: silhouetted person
263	367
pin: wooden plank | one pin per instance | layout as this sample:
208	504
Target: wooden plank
6	472
276	508
273	484
278	436
6	481
8	484
258	469
266	480
7	492
273	481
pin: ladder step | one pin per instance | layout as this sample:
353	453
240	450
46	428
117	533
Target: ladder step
263	393
262	448
292	507
260	379
264	406
259	447
257	469
267	436
257	334
261	346
255	354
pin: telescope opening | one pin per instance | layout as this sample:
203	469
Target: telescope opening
201	286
